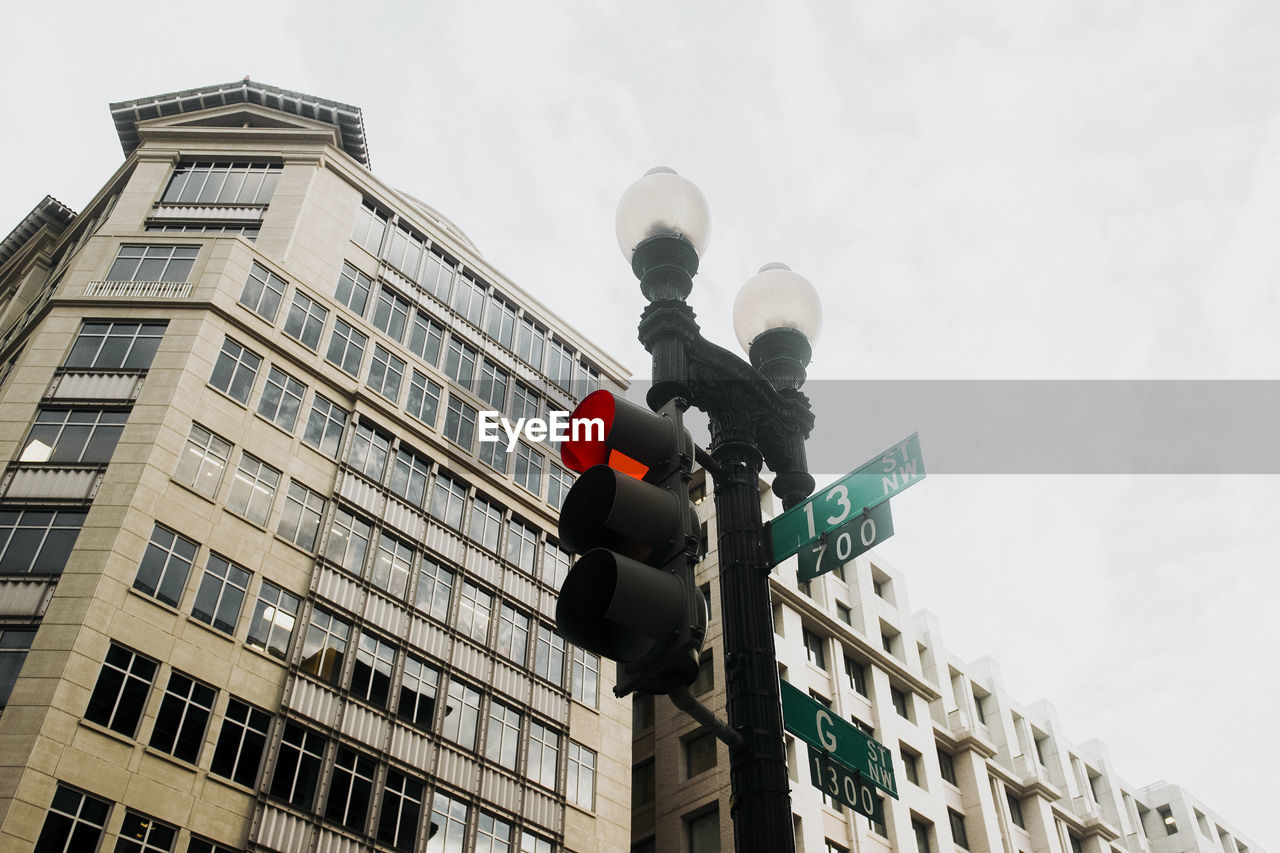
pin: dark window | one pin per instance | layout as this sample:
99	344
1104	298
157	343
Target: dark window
14	643
910	764
642	711
166	565
920	830
371	673
417	702
206	845
401	811
353	289
305	320
106	345
222	183
324	426
36	542
141	833
273	619
221	594
947	765
153	263
704	832
183	717
121	692
856	674
1015	809
706	680
263	292
642	784
979	707
815	649
325	647
901	702
494	454
242	743
235	370
350	789
74	822
699	753
298	766
73	436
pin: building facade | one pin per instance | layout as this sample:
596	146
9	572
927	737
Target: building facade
261	585
975	770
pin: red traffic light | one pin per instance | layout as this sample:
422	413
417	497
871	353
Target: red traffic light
603	424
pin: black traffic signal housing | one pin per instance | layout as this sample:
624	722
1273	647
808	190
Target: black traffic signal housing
631	597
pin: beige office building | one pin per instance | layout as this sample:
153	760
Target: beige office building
261	585
975	770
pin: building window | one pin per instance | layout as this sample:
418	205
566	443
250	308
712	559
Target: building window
74	822
920	830
460	363
203	460
468	299
503	745
305	320
141	833
350	789
183	716
325	646
105	345
584	681
844	614
513	634
856	675
165	565
559	481
462	716
555	564
1076	845
386	373
832	847
486	523
815	649
222	183
705	681
560	363
417	700
494	454
703	832
474	609
370	225
450	816
204	845
544	755
424	399
153	263
369	452
325	424
281	399
346	347
391	566
120	695
409	474
642	712
699	753
300	516
530	343
460	423
401	810
253	489
492	834
447	500
298	766
958	833
435	585
73	436
947	765
580	783
1015	809
528	471
404	250
221	594
371	673
493	385
14	644
642	784
263	292
910	764
548	658
1170	823
901	702
235	370
37	542
979	707
273	619
348	543
501	322
425	338
390	313
522	545
353	289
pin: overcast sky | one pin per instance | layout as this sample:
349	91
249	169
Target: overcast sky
1057	189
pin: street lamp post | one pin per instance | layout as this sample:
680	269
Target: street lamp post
757	415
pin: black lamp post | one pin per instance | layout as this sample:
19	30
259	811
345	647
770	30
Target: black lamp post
757	415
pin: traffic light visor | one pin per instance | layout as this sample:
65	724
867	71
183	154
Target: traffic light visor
607	430
617	607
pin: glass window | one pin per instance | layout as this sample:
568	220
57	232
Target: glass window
353	289
544	755
401	811
522	545
281	399
560	363
325	647
642	784
141	833
580	783
856	675
425	338
704	832
386	373
263	292
424	399
555	564
274	616
494	454
501	322
222	183
404	250
435	585
297	769
369	452
585	379
529	464
350	789
493	835
462	716
74	822
221	594
417	700
1015	806
204	845
120	694
165	565
513	634
705	681
14	644
486	523
815	649
699	753
901	702
503	745
447	500
524	402
559	481
370	225
450	816
920	830
253	489
391	313
235	370
946	764
493	385
305	320
153	263
468	299
409	473
241	743
436	276
300	517
910	764
325	424
73	436
460	423
348	543
548	658
203	460
37	542
530	343
475	606
183	717
584	683
392	566
108	345
346	347
460	363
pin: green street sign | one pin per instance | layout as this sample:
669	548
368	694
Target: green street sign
844	785
815	724
886	475
836	547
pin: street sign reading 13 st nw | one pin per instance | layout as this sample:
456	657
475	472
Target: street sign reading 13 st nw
815	724
889	473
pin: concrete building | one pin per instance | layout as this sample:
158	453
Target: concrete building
976	770
261	586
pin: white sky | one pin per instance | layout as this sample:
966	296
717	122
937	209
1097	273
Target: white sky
1058	189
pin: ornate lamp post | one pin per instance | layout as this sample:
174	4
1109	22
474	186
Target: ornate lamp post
757	415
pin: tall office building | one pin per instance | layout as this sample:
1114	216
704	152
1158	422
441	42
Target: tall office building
261	585
975	770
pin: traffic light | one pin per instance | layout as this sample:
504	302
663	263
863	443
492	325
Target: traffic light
630	596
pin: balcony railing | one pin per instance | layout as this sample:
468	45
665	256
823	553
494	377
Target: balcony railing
139	289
